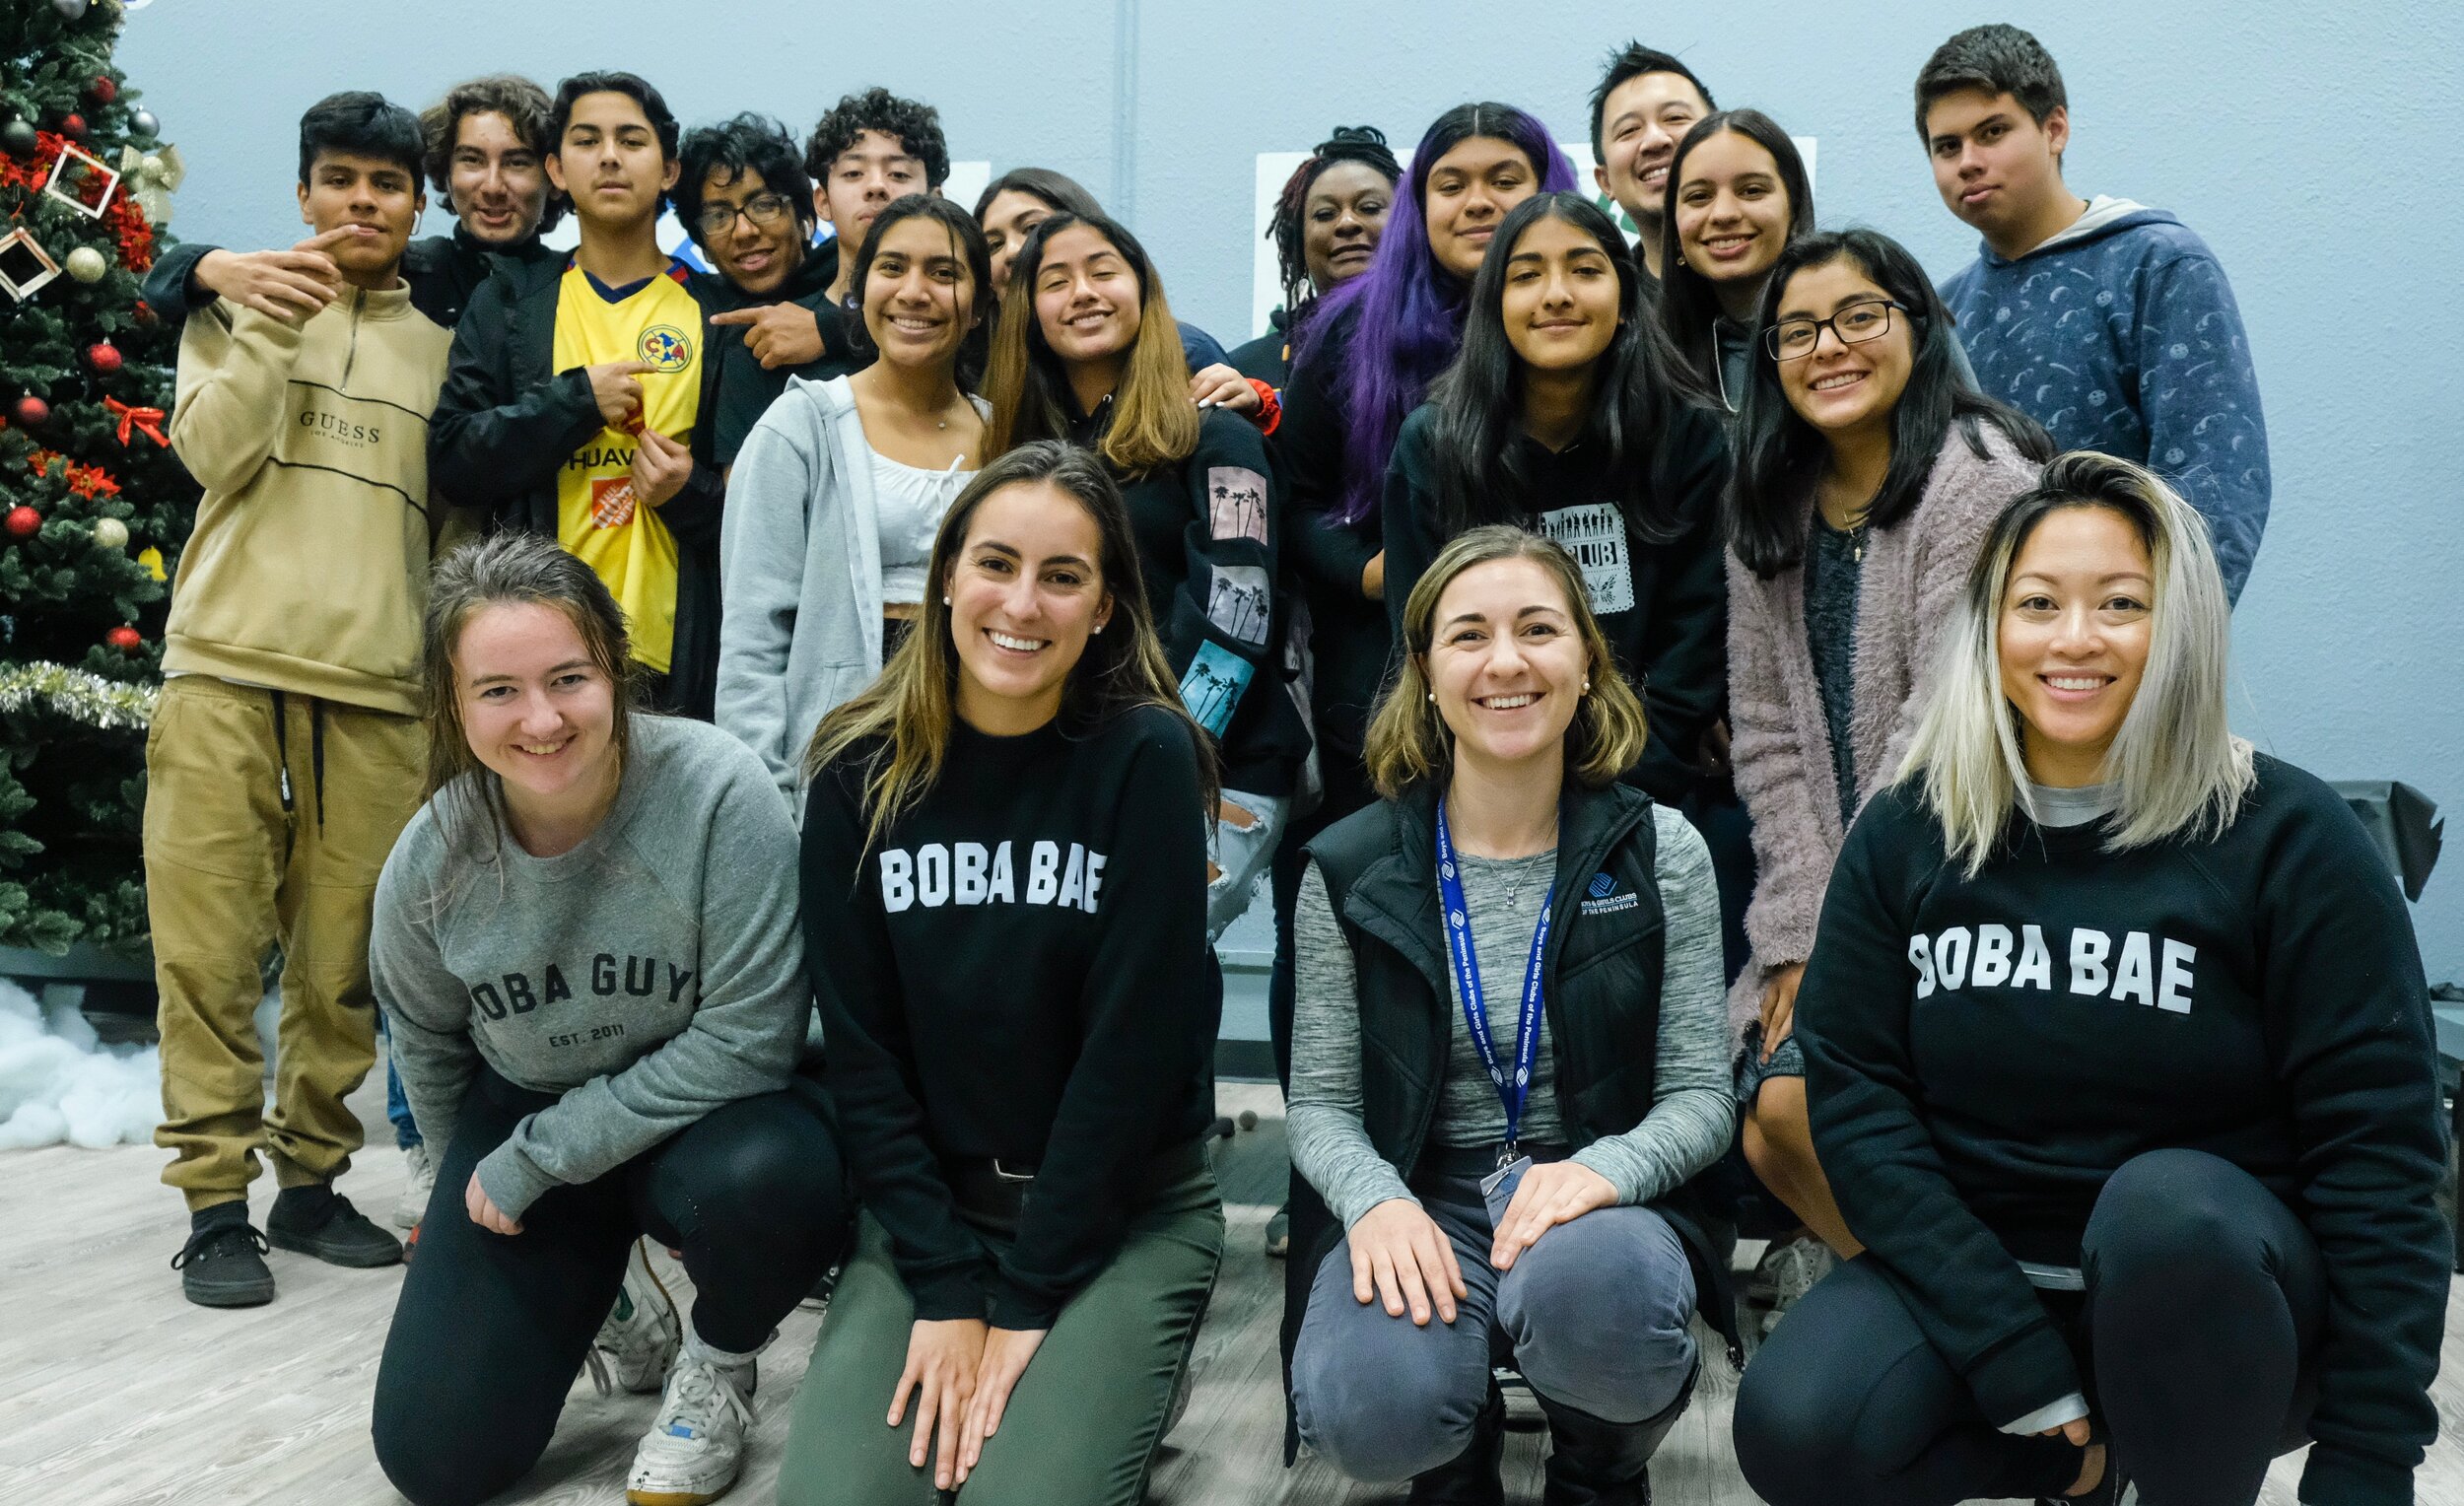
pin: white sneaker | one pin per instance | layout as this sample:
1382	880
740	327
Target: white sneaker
412	1205
638	1340
694	1448
1789	1269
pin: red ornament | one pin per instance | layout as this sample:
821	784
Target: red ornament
22	521
73	125
32	412
126	639
103	91
145	314
103	357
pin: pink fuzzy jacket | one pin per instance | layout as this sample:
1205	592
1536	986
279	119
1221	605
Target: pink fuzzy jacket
1780	741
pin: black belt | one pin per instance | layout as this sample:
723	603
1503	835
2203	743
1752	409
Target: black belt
992	1193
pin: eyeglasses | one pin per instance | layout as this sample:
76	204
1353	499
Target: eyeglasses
765	210
1794	339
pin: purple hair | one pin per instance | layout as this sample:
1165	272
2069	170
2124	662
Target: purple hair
1408	308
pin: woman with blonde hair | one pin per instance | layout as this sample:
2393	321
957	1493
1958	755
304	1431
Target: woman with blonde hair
1506	1157
2120	1062
1004	914
586	948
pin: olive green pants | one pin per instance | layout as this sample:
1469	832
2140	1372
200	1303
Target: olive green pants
231	867
1083	1422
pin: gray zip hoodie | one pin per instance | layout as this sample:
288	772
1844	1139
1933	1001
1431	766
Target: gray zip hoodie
650	975
800	569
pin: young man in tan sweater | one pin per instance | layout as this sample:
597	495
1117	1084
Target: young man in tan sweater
286	752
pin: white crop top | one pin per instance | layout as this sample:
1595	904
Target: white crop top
909	502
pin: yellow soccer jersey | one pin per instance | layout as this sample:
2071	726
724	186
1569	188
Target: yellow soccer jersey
657	323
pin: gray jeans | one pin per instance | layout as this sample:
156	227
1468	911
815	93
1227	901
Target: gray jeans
1594	1316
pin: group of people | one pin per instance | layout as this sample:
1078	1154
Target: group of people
1727	721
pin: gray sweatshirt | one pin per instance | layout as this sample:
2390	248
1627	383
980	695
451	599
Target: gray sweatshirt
650	975
799	568
1693	1111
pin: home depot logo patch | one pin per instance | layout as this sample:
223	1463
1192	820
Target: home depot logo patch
611	501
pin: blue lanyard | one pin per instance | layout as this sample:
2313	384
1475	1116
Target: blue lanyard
1510	1092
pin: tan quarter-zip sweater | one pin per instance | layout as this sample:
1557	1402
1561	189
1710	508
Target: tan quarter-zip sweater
309	568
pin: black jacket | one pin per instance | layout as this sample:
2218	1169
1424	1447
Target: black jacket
1599	994
507	422
1671	635
1207	530
746	387
443	271
1350	642
1269	358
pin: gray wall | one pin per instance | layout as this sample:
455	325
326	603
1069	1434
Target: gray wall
2315	148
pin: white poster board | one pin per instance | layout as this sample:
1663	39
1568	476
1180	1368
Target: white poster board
1274	170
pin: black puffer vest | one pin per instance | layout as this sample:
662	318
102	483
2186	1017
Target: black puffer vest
1600	995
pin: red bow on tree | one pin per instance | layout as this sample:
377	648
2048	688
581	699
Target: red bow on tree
145	420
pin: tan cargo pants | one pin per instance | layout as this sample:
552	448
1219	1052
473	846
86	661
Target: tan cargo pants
268	817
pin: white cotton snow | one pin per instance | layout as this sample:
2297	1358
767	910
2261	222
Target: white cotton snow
58	1082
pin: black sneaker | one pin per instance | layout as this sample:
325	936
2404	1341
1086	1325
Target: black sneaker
319	1222
223	1264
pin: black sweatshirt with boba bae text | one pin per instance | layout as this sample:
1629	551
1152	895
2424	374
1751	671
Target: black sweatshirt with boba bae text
1016	967
1984	1052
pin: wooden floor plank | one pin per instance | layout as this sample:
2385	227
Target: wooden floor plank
115	1392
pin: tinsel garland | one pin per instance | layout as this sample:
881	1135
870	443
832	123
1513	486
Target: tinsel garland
77	695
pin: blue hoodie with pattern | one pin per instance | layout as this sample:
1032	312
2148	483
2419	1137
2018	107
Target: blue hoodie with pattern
2120	334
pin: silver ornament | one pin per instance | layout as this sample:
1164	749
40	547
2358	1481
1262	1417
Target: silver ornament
144	123
85	264
70	10
110	533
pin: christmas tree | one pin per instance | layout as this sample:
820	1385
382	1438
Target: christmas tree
93	506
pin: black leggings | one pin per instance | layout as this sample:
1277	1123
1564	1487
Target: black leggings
491	1329
2197	1334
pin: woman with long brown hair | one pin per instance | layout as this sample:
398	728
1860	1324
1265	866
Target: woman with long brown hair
1004	913
585	947
1085	353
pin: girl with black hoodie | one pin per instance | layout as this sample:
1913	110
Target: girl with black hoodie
1004	917
1566	413
1071	361
2120	1061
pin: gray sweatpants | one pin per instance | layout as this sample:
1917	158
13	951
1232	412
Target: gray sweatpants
1594	1316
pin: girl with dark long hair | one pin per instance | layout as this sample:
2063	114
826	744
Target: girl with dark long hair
1565	413
1736	195
1866	474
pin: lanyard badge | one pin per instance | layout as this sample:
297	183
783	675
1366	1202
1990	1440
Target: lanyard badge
1512	1091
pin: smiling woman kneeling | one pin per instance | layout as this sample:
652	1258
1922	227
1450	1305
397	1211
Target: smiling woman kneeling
1006	919
1507	1058
2119	1054
586	951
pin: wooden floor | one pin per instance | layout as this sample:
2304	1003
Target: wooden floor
113	1390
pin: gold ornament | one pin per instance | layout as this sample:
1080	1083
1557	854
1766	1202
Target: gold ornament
110	533
152	560
152	179
87	265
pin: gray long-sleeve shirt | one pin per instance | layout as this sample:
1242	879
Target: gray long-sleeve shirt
1693	1108
652	974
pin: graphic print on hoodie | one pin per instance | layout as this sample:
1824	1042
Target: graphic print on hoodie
2121	335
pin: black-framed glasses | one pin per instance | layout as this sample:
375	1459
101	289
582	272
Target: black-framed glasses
1794	339
765	210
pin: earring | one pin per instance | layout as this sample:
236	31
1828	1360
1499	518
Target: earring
945	601
1432	698
1587	687
1099	627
